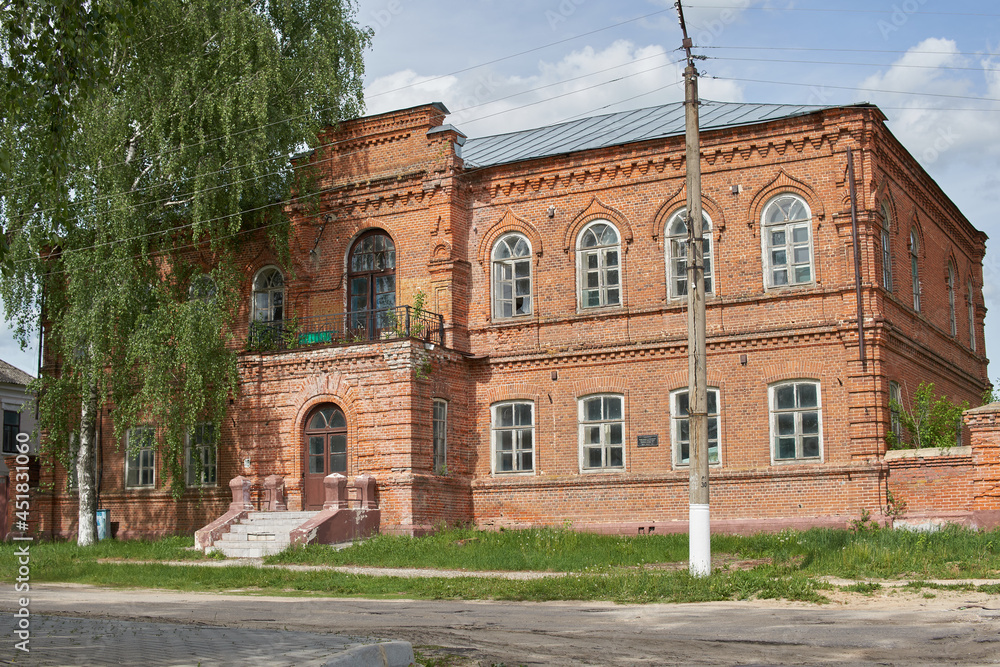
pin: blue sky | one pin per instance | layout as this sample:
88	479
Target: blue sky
510	64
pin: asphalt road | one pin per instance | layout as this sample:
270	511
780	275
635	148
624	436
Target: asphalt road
953	630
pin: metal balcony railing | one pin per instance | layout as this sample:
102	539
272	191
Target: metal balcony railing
360	326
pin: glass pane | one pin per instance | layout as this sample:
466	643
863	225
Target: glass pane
338	444
615	457
611	257
337	419
593	455
316	465
615	434
502	251
685	454
612	407
810	446
784	396
612	297
778	237
523	287
780	277
810	422
593	280
778	257
713	429
608	235
505	461
592	298
713	454
522	414
526	439
521	269
806	394
505	440
589	240
525	459
316	445
684	429
591	260
800	234
521	249
803	274
786	423
713	403
338	463
682	404
612	277
505	415
801	255
592	435
786	448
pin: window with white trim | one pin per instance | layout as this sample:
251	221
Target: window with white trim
952	317
971	306
140	459
200	456
511	276
886	248
680	426
440	435
677	247
915	269
796	428
602	425
787	240
513	436
599	265
268	295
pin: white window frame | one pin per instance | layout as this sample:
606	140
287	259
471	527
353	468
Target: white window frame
265	284
439	435
676	253
195	441
140	461
915	268
895	420
971	305
791	247
799	414
605	428
505	275
608	277
518	434
952	309
679	417
886	248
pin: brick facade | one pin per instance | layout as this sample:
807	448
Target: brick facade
402	173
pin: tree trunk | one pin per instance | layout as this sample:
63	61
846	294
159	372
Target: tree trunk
87	526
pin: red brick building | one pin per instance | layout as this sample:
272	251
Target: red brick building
495	328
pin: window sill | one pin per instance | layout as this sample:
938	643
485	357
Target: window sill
802	461
927	452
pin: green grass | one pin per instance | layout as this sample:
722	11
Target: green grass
601	567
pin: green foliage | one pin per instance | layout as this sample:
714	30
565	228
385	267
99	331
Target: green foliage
143	144
933	421
991	395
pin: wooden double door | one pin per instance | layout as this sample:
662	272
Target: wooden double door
325	451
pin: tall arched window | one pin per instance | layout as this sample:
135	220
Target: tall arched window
952	318
787	239
971	304
598	265
269	295
677	237
915	269
371	279
511	276
886	248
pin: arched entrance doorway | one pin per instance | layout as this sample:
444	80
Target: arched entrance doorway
325	451
371	278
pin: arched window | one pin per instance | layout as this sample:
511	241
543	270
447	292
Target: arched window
511	276
677	237
915	269
325	451
371	280
886	248
952	318
787	240
971	304
268	295
598	265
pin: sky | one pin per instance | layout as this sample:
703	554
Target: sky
932	66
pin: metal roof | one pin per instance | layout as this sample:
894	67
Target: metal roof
13	375
615	129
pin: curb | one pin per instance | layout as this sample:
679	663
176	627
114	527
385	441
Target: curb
385	654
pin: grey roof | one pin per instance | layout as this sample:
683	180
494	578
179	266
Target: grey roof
12	375
615	129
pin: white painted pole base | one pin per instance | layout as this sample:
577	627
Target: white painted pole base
699	541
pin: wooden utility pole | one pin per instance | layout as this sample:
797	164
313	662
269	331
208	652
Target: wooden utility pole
699	528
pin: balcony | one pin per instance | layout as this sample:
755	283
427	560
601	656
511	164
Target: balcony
362	326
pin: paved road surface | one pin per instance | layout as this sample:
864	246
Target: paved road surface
955	631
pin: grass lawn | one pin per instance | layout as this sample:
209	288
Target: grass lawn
600	567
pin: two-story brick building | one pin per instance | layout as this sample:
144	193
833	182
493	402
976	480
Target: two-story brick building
495	328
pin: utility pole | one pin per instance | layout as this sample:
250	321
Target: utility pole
699	528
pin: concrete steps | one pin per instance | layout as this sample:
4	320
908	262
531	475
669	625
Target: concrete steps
261	534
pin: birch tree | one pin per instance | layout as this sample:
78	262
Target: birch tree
140	145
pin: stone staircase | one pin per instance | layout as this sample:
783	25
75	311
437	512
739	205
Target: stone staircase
260	534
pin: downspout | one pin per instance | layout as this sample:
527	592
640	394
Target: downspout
857	262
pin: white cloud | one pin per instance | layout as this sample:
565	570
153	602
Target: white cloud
584	82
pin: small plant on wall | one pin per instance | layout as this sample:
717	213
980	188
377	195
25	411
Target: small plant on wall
932	421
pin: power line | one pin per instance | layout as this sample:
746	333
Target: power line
807	48
871	90
829	62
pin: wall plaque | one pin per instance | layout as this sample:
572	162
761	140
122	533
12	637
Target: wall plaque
649	440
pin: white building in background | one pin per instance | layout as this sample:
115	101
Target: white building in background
18	410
